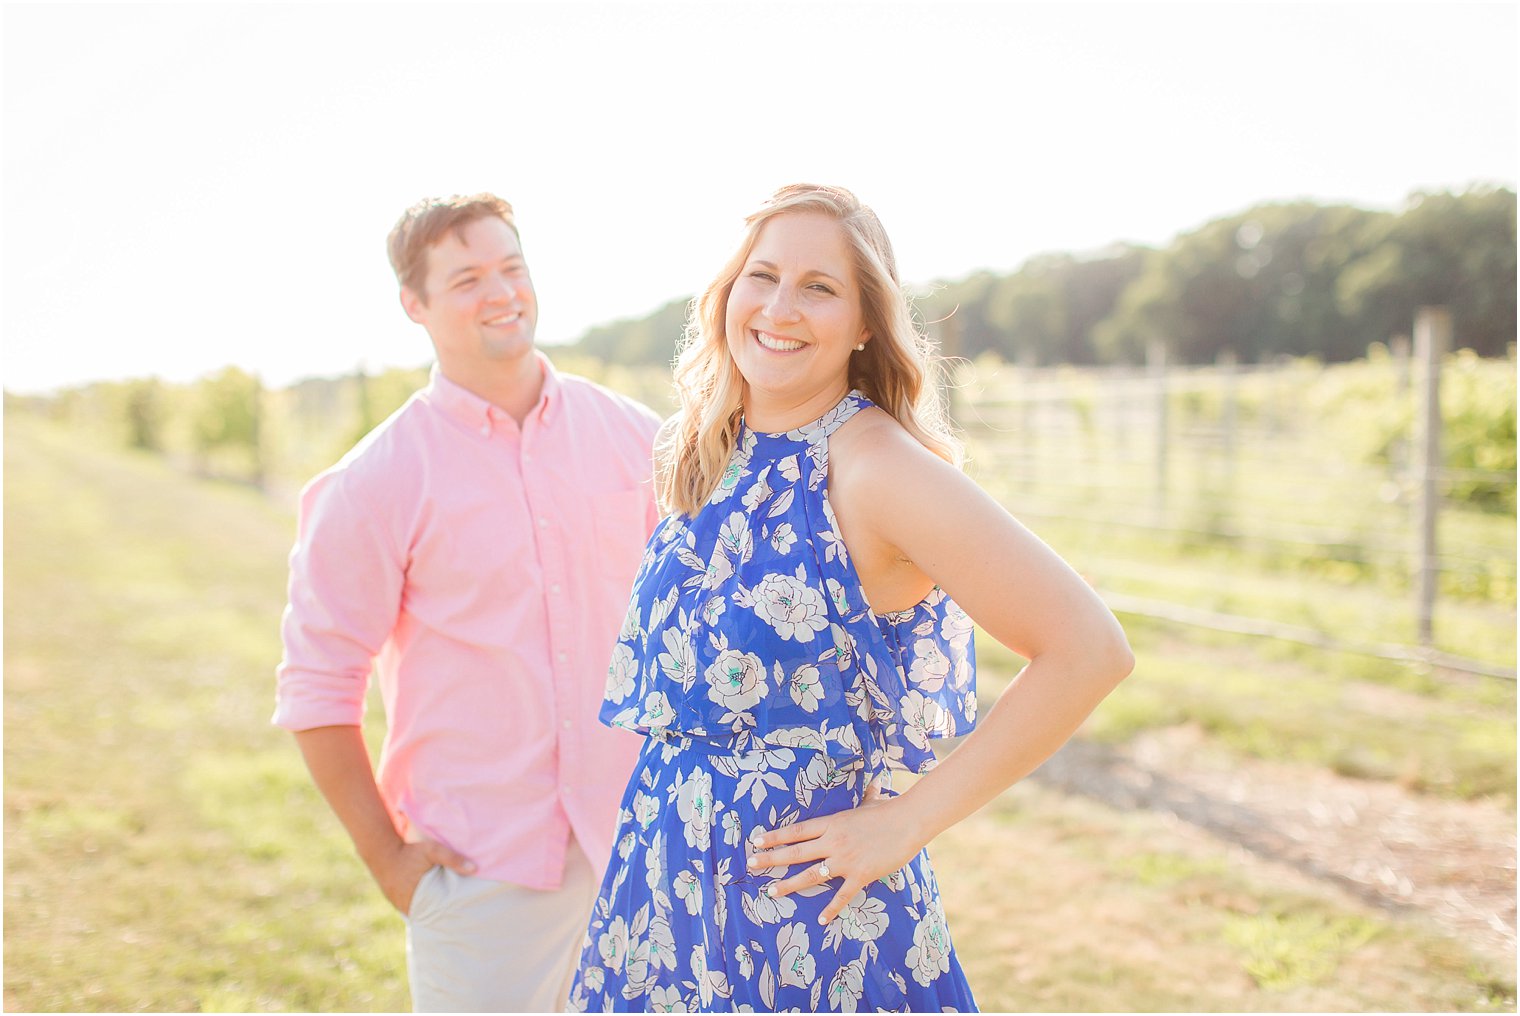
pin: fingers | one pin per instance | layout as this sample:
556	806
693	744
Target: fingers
841	900
795	833
448	857
805	879
786	856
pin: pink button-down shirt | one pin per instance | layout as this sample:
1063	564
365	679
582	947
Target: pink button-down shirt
483	571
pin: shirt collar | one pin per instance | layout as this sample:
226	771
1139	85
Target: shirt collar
479	415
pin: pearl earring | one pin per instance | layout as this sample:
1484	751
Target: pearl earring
860	348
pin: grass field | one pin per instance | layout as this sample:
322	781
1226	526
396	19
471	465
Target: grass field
164	849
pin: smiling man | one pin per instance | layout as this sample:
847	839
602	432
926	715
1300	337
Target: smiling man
475	552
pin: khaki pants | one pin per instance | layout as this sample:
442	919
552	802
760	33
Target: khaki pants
474	945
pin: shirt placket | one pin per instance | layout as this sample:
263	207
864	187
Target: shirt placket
553	536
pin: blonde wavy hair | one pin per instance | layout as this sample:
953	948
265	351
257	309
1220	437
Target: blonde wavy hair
897	370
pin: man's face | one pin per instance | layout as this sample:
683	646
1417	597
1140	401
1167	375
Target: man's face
480	307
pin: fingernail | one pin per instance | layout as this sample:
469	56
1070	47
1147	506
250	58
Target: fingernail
770	890
755	836
822	919
753	861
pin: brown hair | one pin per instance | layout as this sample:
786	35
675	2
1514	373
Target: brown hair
896	370
424	224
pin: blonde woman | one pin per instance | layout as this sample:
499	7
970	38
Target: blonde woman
797	632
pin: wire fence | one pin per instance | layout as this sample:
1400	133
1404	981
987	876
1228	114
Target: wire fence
1283	468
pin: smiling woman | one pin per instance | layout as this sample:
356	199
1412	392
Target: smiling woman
792	639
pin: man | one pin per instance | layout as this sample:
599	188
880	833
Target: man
477	550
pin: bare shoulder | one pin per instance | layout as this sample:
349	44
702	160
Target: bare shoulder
872	456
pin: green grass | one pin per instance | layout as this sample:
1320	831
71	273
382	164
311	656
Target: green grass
164	849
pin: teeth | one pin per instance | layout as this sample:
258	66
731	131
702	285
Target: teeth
505	319
778	344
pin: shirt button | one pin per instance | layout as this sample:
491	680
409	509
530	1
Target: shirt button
543	523
565	788
485	429
568	725
562	658
554	588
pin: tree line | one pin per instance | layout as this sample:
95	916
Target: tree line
1278	279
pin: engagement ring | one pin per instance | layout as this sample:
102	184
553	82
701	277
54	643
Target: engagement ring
823	871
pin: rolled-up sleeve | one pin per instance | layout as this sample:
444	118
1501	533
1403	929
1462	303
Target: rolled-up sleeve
346	577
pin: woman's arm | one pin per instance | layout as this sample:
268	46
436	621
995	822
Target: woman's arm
907	505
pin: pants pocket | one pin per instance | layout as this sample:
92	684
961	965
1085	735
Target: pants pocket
426	895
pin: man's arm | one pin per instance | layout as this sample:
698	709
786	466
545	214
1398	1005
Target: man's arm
340	767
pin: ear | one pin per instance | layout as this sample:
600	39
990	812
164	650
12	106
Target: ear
413	305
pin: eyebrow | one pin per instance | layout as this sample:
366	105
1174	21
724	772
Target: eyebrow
475	268
810	271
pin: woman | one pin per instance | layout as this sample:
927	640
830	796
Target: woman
792	639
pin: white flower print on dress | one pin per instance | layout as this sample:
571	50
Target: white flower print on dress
782	538
759	492
833	546
613	944
694	803
679	660
845	986
788	604
666	999
736	681
745	961
646	809
761	909
840	598
662	943
957	625
820	774
922	718
735	538
730	822
727	483
660	609
657	711
638	974
622	673
796	967
709	982
689	890
929	956
806	687
630	629
654	863
864	918
930	666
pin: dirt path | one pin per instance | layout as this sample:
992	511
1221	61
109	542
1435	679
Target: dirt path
1452	861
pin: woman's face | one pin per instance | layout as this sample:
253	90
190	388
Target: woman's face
794	315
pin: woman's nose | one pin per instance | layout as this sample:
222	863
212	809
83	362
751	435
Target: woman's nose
782	306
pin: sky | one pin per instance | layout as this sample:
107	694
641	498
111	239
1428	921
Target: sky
185	187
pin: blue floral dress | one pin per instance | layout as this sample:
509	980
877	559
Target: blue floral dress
769	693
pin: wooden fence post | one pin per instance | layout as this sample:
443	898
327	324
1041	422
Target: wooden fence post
1432	337
1226	363
1155	362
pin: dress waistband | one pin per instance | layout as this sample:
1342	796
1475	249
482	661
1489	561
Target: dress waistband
744	742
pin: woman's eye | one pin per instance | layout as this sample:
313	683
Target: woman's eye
820	287
766	276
